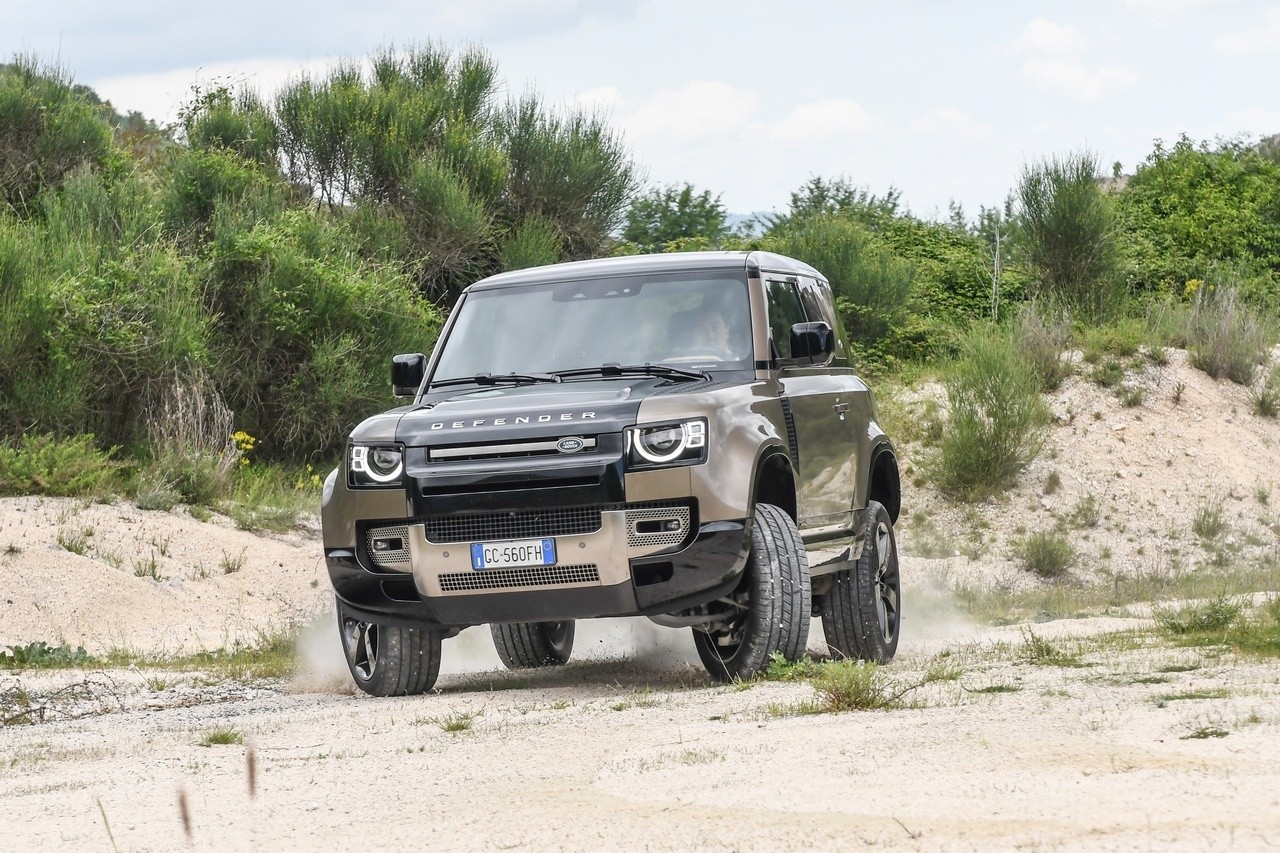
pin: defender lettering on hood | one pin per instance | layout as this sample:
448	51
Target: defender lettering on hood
516	420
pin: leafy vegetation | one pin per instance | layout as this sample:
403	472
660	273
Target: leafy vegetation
1070	228
995	417
1046	554
669	214
1223	621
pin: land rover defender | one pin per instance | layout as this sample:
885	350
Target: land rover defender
675	436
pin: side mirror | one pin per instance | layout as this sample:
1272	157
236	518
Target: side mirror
814	341
407	372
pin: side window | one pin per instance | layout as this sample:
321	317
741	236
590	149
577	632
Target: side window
784	312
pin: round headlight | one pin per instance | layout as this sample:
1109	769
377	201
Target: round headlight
662	444
383	464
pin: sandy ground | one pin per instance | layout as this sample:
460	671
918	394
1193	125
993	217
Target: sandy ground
1140	746
628	753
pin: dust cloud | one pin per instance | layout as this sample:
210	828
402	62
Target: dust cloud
931	618
321	668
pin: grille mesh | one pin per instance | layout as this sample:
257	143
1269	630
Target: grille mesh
637	539
522	524
389	558
529	576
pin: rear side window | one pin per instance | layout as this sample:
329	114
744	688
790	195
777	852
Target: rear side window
784	312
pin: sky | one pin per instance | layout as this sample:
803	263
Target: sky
945	101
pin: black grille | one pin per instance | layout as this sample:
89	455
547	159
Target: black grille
528	576
521	524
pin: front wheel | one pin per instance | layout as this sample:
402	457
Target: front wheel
527	645
772	606
862	613
386	660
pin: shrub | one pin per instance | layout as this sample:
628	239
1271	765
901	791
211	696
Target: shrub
45	465
1266	395
1209	522
305	330
995	417
1043	342
1070	229
1046	554
871	286
1227	337
47	130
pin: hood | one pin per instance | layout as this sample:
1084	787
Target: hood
503	413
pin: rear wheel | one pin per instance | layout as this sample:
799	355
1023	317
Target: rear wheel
772	605
861	615
526	645
387	660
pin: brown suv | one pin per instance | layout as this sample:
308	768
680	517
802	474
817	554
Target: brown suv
675	436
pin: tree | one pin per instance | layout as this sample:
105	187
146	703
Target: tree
415	143
1070	230
819	196
1190	211
672	213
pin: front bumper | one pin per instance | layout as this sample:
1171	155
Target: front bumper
601	573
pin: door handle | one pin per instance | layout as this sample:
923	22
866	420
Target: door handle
841	409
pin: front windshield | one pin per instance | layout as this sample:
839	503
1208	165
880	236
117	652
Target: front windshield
698	320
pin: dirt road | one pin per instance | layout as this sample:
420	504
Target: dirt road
1132	746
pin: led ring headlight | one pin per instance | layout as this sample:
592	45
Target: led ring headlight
659	445
378	464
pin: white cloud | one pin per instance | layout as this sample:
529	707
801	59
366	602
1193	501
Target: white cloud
1073	78
1170	6
953	123
159	95
1253	120
1260	40
1044	36
599	99
824	120
703	109
1053	59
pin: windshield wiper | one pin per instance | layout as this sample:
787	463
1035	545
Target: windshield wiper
498	379
646	369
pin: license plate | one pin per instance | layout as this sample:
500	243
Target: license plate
526	552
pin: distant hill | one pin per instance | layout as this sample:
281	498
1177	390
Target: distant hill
747	224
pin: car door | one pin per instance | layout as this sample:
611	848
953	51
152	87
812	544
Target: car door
817	400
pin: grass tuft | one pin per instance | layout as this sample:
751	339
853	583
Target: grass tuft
1046	554
221	737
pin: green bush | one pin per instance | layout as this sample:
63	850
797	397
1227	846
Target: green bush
47	130
871	286
995	417
305	331
1191	212
1266	396
1046	554
1070	232
45	465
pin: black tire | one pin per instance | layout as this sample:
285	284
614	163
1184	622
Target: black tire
386	660
775	601
528	645
862	614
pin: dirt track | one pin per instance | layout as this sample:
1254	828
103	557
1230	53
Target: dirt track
616	753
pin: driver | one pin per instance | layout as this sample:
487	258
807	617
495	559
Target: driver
713	332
